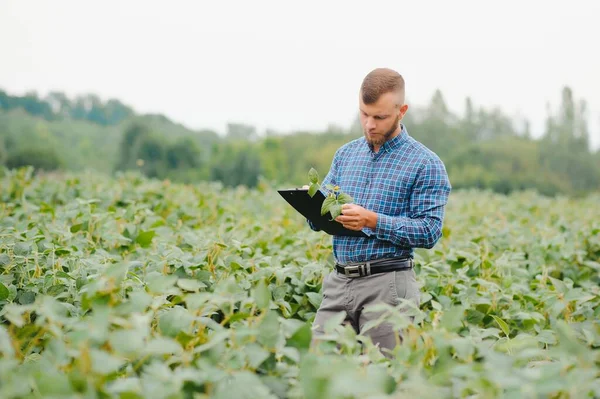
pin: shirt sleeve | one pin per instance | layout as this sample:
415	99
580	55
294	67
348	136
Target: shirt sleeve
330	178
423	227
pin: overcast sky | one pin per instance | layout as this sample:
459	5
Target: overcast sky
297	65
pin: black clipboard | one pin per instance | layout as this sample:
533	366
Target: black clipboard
310	208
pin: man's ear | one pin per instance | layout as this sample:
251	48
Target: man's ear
403	109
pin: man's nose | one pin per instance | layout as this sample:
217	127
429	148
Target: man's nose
370	123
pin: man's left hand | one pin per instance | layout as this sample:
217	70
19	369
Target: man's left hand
355	217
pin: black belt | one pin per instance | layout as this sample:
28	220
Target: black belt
374	267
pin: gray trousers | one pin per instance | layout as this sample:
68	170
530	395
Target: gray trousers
352	295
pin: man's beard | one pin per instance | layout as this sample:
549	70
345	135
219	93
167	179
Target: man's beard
380	141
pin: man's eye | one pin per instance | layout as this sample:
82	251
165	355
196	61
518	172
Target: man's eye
380	117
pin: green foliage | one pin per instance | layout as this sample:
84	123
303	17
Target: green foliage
313	178
134	133
235	164
149	152
3	154
57	106
40	158
482	148
135	287
29	102
80	145
335	197
240	131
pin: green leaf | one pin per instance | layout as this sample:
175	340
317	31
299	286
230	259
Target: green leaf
160	284
188	284
312	190
314	298
502	325
117	272
62	274
4	260
126	342
452	318
26	297
80	282
56	289
163	346
242	385
578	295
4	292
327	203
62	251
262	295
137	302
313	175
22	249
256	355
145	238
174	320
301	338
269	330
464	347
76	227
558	284
335	210
6	347
51	383
547	337
103	362
344	198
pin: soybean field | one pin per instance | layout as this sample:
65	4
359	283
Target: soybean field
129	287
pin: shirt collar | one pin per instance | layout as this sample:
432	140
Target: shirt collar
396	142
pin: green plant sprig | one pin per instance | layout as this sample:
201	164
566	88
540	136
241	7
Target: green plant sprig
334	200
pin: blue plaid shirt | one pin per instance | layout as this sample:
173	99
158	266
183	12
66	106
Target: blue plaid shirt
405	183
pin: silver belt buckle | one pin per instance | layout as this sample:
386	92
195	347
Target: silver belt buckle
358	270
349	271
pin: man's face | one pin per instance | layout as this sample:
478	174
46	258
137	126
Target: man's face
380	120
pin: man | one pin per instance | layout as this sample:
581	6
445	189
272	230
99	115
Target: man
400	189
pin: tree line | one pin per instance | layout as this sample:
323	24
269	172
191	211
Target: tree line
481	148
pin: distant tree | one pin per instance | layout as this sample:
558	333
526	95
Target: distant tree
79	110
437	128
30	103
438	108
6	102
504	164
59	103
150	150
236	165
494	124
115	112
565	145
41	158
356	129
469	124
133	135
3	153
241	131
184	153
96	112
